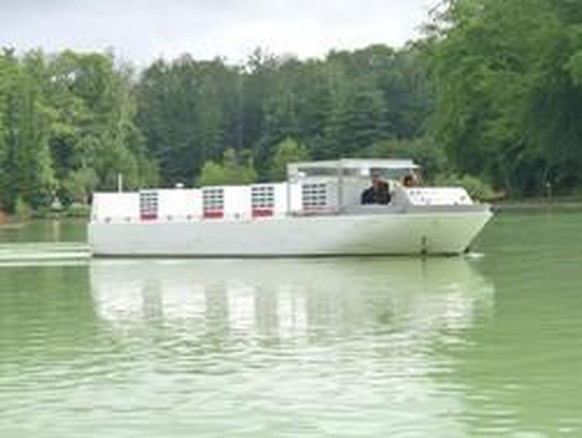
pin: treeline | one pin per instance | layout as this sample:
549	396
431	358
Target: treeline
350	103
71	123
508	90
492	95
67	127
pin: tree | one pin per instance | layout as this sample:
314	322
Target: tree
25	159
212	174
287	151
234	169
507	100
67	127
94	137
188	111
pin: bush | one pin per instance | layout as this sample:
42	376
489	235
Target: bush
77	209
230	172
22	210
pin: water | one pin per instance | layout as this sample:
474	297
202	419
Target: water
488	345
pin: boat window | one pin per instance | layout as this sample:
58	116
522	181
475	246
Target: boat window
263	197
394	174
148	205
213	202
314	196
318	171
328	171
262	200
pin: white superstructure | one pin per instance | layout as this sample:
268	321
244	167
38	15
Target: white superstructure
317	211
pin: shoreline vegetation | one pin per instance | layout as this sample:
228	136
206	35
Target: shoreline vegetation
75	211
566	203
482	99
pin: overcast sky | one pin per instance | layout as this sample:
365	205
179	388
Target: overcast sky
141	30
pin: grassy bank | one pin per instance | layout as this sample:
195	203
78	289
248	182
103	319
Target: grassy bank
554	203
73	211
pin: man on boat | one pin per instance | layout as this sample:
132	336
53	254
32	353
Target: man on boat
378	193
411	179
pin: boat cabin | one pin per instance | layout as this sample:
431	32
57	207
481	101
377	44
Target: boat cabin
312	188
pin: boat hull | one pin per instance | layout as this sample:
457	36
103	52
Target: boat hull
431	233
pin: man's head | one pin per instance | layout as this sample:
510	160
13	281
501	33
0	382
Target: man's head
376	179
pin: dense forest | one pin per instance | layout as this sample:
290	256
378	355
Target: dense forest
490	96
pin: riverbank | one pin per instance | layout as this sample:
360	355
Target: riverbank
75	211
8	221
566	203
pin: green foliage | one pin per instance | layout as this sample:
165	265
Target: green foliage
508	81
188	112
212	174
78	185
25	158
78	210
67	127
22	211
232	171
191	112
574	67
288	151
493	91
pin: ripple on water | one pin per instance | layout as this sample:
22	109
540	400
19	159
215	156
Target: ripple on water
326	348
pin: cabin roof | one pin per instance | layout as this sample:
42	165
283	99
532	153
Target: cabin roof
364	165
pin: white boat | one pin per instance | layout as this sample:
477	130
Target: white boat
316	212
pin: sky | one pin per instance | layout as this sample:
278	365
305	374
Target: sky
143	30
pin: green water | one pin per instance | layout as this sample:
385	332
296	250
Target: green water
488	345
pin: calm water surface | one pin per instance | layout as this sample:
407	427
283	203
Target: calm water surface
488	345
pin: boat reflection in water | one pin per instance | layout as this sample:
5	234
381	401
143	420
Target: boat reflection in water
296	347
290	298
